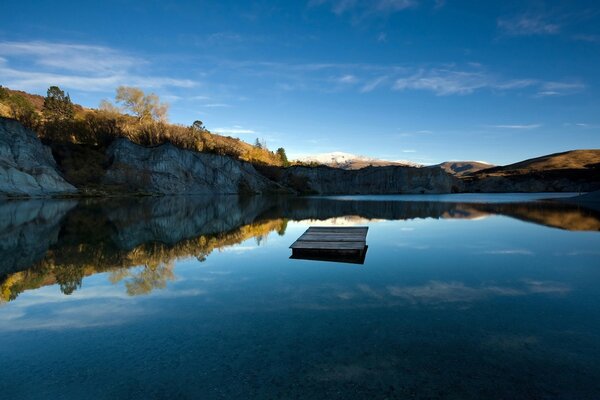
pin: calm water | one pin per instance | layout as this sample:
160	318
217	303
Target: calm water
196	298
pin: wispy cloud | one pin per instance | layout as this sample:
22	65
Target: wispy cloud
442	79
234	130
216	105
347	79
559	88
528	24
76	67
517	126
587	38
453	81
366	8
373	84
444	82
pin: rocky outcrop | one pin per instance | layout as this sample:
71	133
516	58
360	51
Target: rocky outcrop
166	169
371	180
27	167
28	229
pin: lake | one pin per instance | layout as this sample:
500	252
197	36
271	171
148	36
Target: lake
459	297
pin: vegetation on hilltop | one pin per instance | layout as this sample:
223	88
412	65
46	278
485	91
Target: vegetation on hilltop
137	116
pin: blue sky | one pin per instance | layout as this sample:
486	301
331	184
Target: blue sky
419	80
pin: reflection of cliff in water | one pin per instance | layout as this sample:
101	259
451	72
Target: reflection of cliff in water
552	214
138	240
148	233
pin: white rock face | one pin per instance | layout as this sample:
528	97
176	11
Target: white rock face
167	169
27	167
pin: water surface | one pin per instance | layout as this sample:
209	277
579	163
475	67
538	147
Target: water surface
196	298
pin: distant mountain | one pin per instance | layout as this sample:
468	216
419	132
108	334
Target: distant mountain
462	168
338	159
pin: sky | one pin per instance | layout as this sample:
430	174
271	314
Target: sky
419	80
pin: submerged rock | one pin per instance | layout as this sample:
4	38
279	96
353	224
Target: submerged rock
166	169
27	167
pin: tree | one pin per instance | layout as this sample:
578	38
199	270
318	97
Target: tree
146	107
19	107
199	126
108	107
260	143
4	94
57	105
282	156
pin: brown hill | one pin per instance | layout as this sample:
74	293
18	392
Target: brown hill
571	171
569	160
462	168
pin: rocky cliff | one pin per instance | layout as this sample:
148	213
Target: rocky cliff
27	167
371	180
166	169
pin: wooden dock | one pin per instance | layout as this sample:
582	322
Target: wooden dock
325	243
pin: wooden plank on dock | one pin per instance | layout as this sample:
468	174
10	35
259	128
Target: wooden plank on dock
343	244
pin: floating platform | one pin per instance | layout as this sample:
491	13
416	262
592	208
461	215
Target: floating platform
328	243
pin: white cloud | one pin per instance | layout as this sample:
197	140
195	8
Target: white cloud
523	25
444	82
452	81
373	84
374	7
76	67
71	57
236	130
559	88
347	79
517	126
216	105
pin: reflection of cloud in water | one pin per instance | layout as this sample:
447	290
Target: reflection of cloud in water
238	249
349	220
412	246
523	252
546	287
448	292
366	289
72	316
580	253
510	342
97	306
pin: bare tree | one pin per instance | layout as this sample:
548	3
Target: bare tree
144	106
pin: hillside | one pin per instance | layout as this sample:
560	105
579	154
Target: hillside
463	168
569	160
338	159
571	171
94	128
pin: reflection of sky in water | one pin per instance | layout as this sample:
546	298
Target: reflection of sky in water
442	308
459	197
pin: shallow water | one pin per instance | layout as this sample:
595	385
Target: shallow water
197	298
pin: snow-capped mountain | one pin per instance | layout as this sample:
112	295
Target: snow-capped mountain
343	160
